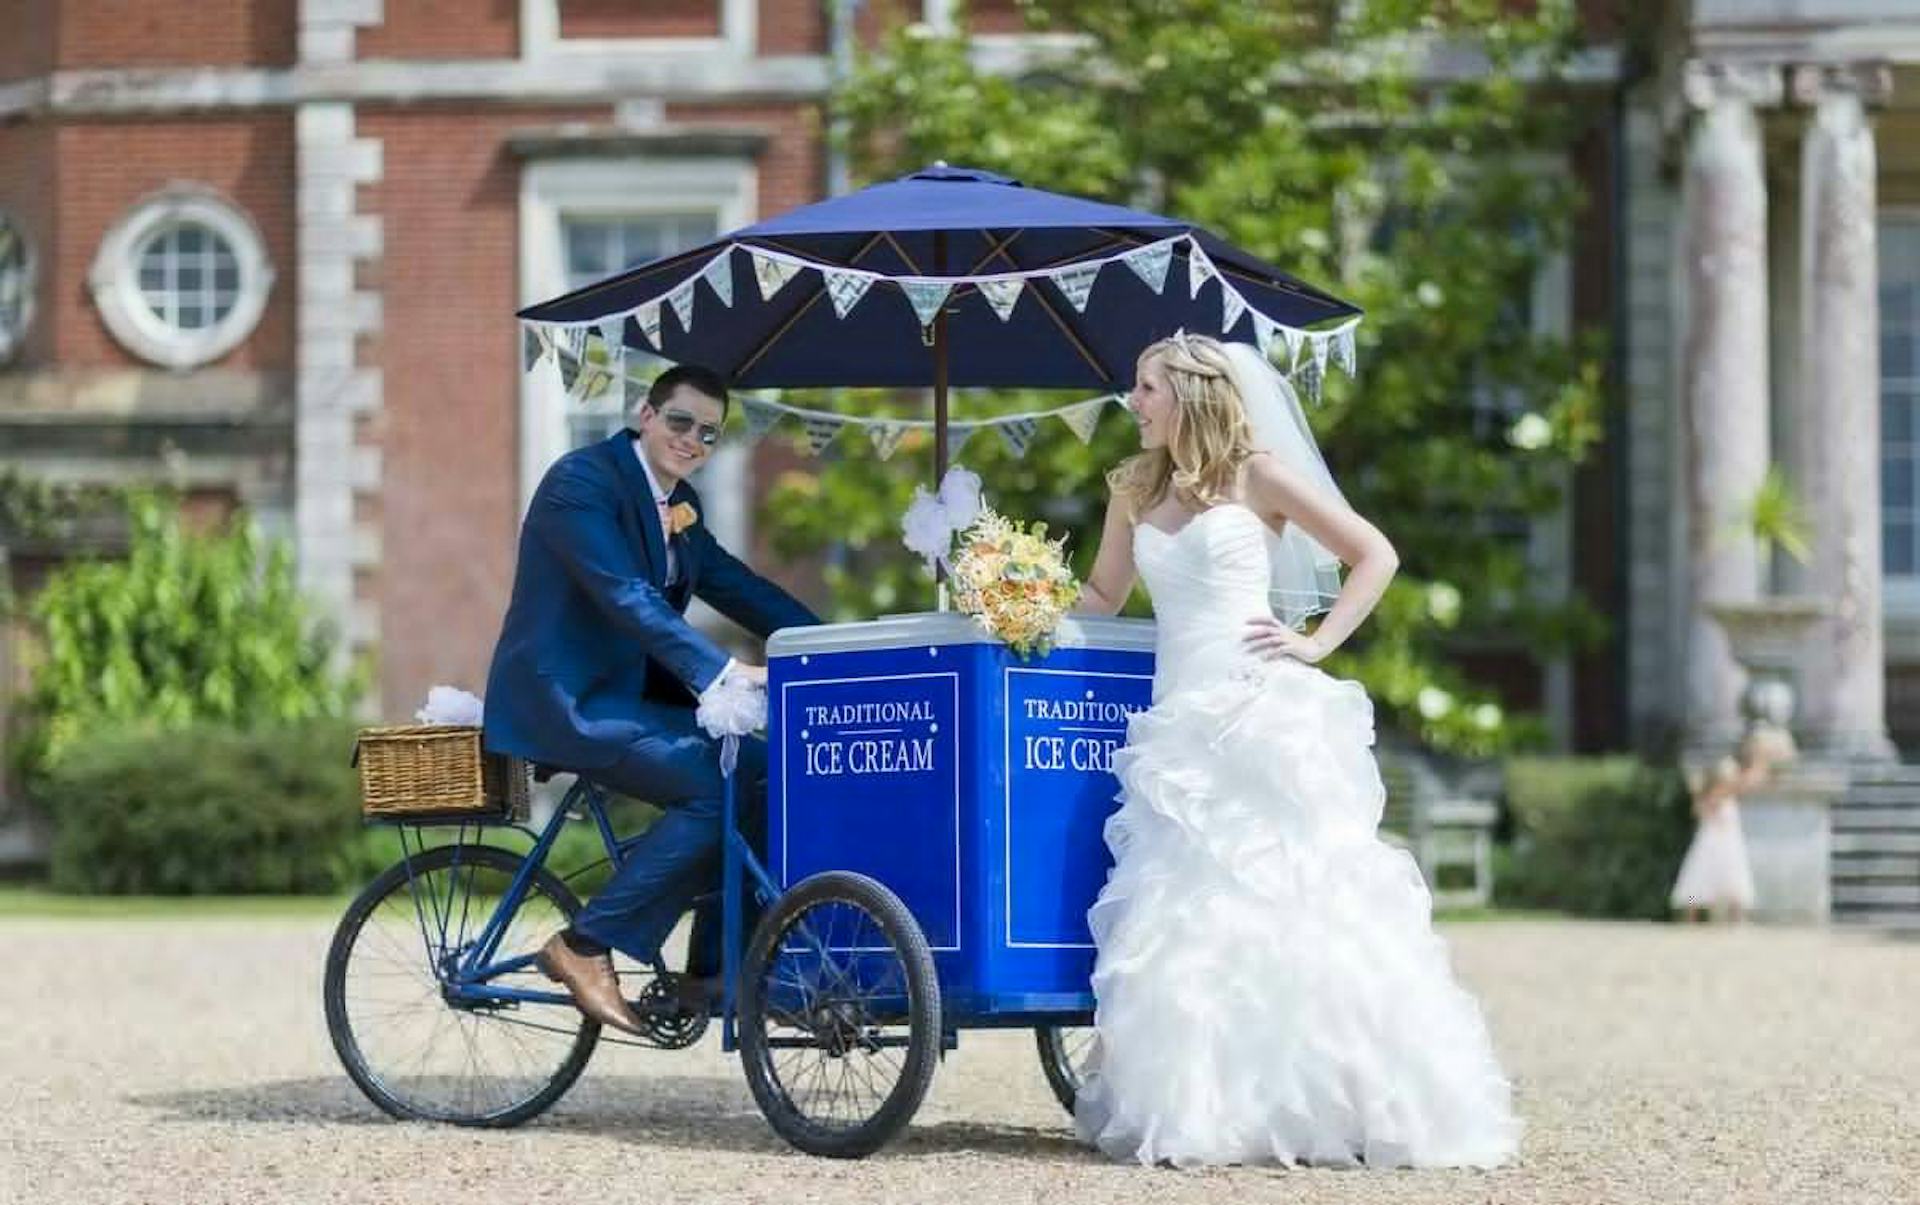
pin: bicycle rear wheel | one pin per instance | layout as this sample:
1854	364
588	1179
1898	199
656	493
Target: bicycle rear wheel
414	1046
1064	1051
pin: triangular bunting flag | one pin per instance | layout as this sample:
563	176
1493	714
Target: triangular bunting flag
632	391
719	277
613	330
1232	306
681	299
1292	339
886	438
772	274
648	316
1081	420
926	297
1001	293
533	347
1151	264
1264	329
569	371
593	379
570	340
1308	376
1343	357
820	431
846	289
957	436
1076	283
1200	270
1018	433
1320	343
760	420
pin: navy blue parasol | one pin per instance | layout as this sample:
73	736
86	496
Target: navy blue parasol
924	260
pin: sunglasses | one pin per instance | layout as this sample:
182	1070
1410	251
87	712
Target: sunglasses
680	422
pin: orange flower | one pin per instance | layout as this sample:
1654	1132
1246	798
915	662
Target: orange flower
681	517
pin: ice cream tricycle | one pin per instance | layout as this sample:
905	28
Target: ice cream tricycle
935	802
935	806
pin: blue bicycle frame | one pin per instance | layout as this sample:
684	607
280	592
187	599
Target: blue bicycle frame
471	978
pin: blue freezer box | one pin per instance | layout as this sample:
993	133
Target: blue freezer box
974	784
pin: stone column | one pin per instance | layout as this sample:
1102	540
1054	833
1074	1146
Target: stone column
1835	454
333	466
1724	376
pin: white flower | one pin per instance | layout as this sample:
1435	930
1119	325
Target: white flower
1530	432
1487	716
925	528
960	495
1443	603
1429	295
1433	702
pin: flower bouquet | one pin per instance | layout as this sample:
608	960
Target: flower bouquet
1014	581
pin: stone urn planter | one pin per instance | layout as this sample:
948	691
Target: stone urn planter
1786	820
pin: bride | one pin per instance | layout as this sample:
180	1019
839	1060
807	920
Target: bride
1269	985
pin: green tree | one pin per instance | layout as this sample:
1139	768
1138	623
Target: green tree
187	628
1311	140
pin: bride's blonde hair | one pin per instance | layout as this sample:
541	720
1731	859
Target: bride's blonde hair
1210	439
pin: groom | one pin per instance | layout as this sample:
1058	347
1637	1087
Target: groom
597	672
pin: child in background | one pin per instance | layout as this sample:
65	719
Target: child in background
1715	876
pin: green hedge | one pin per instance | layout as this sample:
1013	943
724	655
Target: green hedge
210	810
204	810
1597	836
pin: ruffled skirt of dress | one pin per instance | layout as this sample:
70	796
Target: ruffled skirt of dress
1715	872
1269	985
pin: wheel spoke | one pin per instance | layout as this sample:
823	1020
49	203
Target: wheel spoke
425	1054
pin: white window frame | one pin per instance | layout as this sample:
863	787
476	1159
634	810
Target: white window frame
14	337
553	190
115	278
540	35
1900	594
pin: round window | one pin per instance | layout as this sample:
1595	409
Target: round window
189	276
182	280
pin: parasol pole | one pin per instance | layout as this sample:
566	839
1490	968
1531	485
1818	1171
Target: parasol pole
940	397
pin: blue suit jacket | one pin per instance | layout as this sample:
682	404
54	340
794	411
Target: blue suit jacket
591	626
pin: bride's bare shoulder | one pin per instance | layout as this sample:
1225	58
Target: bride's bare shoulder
1266	476
1262	477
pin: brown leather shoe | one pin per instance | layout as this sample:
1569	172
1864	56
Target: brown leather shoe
590	981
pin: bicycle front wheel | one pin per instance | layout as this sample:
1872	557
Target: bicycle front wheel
417	1048
839	1015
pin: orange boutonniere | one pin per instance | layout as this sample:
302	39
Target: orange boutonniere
680	517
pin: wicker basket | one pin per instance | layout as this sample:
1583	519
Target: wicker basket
437	771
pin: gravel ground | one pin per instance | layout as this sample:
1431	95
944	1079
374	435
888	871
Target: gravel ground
186	1061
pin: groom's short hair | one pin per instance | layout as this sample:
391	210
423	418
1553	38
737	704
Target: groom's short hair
703	380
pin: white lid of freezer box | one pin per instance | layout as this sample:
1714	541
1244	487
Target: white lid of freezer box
951	627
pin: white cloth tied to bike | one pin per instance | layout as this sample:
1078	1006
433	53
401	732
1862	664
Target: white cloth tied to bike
450	705
730	709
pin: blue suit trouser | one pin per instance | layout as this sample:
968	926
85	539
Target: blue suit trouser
675	766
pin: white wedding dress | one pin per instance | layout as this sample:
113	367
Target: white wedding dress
1269	985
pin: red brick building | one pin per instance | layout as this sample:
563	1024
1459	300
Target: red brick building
272	249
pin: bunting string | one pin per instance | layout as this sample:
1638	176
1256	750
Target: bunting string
845	286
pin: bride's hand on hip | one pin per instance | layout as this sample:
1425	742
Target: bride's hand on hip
1274	640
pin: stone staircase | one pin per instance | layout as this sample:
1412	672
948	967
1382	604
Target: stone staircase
1875	864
